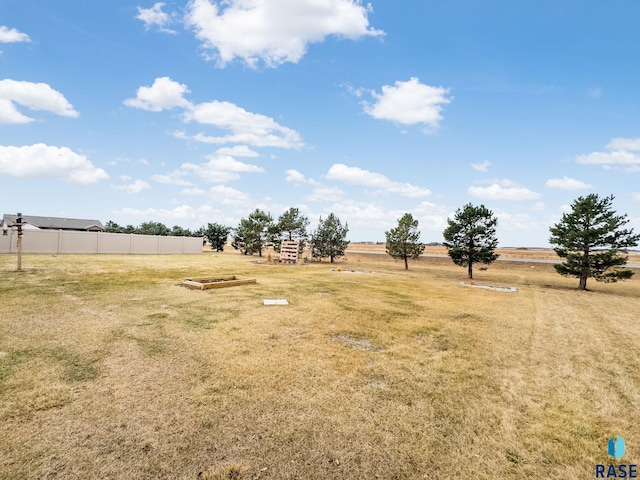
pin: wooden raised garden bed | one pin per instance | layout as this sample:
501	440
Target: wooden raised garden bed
205	283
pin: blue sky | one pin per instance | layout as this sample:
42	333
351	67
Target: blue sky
201	111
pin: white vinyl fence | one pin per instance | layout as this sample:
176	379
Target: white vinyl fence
63	241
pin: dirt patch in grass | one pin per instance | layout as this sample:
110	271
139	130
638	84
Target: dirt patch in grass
358	343
498	288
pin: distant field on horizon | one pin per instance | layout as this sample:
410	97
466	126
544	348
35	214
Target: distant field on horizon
521	252
109	369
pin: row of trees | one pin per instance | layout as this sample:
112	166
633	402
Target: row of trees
152	228
260	230
590	238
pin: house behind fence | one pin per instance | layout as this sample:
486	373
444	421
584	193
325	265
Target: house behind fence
60	235
33	222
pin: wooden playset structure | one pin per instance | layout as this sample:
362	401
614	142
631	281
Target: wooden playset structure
289	252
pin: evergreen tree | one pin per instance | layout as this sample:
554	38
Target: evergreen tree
590	238
328	240
404	240
291	227
252	233
241	239
217	235
471	237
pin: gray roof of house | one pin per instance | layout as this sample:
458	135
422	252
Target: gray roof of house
55	223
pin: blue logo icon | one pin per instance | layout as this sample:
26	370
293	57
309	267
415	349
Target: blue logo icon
616	447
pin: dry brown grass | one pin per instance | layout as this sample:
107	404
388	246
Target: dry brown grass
113	371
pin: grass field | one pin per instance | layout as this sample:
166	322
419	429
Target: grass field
110	370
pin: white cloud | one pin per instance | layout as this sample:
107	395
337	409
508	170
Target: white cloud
227	196
245	127
273	31
636	196
325	194
499	192
174	178
155	17
12	35
616	157
294	176
632	144
135	187
193	191
227	163
356	92
209	174
481	167
219	169
44	161
10	114
365	178
504	182
566	183
292	140
409	103
164	94
116	161
623	152
35	96
518	221
237	151
365	214
159	214
538	206
431	216
181	214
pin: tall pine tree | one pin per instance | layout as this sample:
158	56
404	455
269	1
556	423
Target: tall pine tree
291	227
471	237
253	232
329	239
590	238
404	240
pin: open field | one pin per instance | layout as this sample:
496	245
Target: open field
519	253
110	370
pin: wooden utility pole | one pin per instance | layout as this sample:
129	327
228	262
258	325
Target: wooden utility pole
19	225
